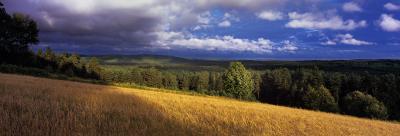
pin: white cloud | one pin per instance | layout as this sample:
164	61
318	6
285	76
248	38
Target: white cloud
227	20
229	16
388	23
270	15
225	23
351	7
163	39
288	47
179	40
225	43
391	6
329	42
350	40
346	39
203	20
322	21
248	4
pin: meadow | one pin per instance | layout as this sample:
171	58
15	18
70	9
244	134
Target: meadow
39	106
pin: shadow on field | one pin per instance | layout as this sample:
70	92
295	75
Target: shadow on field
57	108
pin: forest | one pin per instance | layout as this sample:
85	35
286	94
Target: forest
355	93
369	89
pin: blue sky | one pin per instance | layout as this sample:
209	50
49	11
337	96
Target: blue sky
235	29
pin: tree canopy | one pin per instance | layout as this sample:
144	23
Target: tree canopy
17	32
238	81
364	105
320	99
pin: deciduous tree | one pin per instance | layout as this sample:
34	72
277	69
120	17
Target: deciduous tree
364	105
238	81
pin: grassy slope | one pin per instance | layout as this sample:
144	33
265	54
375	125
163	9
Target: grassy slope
38	106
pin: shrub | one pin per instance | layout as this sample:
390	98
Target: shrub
319	99
6	68
364	105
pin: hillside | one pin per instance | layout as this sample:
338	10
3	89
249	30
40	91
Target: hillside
173	63
159	61
38	106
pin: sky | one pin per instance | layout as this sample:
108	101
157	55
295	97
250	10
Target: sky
219	29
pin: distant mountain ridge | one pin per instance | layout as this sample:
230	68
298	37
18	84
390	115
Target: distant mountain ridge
172	62
219	60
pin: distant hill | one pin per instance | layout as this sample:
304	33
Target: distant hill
162	62
143	59
29	106
177	63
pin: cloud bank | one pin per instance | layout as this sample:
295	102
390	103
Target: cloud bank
346	39
352	7
320	21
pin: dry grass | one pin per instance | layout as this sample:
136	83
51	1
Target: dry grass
37	106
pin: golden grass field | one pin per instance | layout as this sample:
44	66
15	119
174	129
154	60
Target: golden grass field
38	106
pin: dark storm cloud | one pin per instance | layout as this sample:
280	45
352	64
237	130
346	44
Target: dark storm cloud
120	28
58	24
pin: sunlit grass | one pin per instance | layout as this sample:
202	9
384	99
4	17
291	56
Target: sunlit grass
37	106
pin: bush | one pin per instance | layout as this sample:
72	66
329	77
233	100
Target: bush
364	105
6	68
319	99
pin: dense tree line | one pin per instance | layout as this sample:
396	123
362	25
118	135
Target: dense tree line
213	83
18	32
68	64
364	95
359	94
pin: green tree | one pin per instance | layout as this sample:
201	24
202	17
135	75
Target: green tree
40	53
238	81
364	105
316	79
49	55
65	65
183	80
202	81
319	99
169	81
216	84
75	59
389	94
257	84
334	82
24	31
276	86
17	32
93	68
281	79
135	76
219	86
152	77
